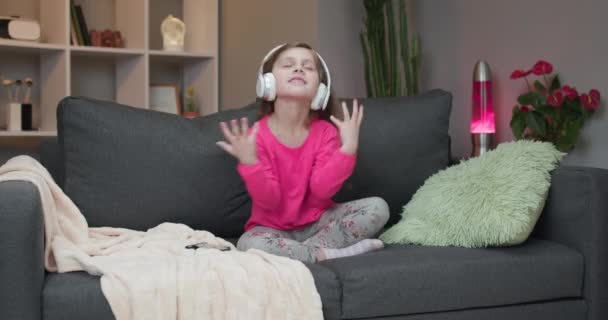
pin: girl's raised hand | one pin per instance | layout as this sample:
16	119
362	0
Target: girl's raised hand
349	127
239	142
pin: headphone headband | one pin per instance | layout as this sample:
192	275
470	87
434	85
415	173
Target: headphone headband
325	69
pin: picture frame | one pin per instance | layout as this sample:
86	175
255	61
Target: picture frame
164	97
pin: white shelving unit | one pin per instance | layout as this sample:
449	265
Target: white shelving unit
124	75
28	133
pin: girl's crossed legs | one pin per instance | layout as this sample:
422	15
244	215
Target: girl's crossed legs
343	230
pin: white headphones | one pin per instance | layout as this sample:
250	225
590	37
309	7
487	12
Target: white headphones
266	84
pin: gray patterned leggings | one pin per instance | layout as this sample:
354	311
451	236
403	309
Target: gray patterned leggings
340	226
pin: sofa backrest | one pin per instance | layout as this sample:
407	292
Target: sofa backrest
50	157
135	168
403	141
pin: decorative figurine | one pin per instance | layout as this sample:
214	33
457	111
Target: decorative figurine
173	31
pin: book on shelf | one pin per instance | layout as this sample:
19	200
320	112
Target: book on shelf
83	25
75	25
79	24
73	35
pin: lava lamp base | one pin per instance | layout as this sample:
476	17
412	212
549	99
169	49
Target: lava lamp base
482	143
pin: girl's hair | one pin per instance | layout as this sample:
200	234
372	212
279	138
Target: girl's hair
267	107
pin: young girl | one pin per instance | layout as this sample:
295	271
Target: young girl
293	161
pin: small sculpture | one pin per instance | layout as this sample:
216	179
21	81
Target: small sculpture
173	31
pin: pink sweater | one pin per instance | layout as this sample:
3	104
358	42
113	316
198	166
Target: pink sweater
292	187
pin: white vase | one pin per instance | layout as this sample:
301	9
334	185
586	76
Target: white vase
13	119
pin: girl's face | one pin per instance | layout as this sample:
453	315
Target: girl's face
296	74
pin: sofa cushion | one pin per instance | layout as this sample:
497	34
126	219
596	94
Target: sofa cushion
136	168
74	295
329	288
403	141
407	279
492	200
575	309
78	295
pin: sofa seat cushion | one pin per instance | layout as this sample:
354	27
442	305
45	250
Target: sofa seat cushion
78	295
406	279
327	284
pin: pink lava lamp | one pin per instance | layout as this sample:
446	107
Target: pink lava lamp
483	126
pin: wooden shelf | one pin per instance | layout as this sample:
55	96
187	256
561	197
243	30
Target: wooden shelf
102	51
15	46
180	54
4	133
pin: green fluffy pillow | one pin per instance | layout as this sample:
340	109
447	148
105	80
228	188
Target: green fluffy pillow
491	200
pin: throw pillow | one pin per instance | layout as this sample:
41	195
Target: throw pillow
491	200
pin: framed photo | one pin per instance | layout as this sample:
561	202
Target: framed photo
164	97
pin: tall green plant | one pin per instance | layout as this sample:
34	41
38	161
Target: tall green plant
389	53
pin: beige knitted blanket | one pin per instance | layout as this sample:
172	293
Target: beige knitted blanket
151	275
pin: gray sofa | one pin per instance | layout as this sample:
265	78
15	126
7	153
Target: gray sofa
127	167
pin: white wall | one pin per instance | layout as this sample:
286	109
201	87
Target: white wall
515	34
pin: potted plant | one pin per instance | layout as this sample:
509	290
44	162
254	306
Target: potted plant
550	111
190	110
391	55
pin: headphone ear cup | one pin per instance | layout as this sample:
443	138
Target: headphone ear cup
260	86
265	87
270	88
319	99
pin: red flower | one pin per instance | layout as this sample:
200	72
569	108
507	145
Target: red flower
591	100
524	109
520	73
542	67
556	99
570	92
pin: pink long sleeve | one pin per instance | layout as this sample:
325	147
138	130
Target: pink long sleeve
331	167
261	181
291	187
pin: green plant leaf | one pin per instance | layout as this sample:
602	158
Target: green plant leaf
415	64
518	123
539	86
555	83
548	110
569	134
572	129
529	98
573	106
586	114
536	121
404	47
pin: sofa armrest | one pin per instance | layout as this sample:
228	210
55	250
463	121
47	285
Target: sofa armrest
576	215
21	251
